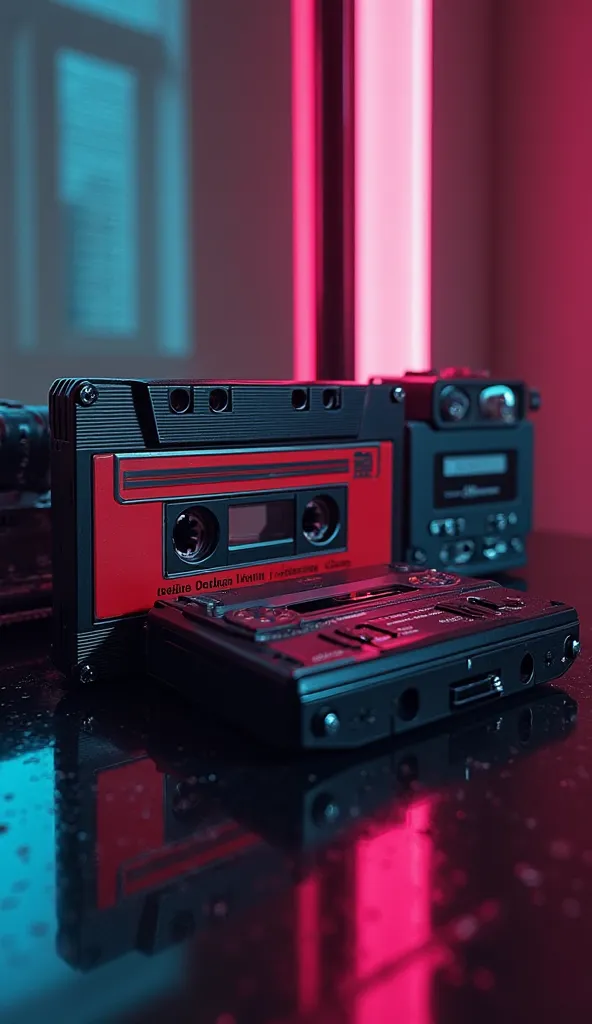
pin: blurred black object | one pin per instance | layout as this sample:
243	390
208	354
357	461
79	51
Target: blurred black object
24	454
25	513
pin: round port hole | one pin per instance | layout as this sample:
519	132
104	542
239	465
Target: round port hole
219	399
300	399
408	704
526	669
180	400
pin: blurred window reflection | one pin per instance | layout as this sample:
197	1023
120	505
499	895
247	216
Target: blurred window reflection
141	14
97	136
96	189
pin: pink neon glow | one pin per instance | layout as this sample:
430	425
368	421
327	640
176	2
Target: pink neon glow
393	82
308	938
393	896
303	188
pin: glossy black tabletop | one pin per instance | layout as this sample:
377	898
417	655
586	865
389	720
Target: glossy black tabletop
156	867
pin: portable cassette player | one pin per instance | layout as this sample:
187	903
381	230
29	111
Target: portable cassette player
346	659
468	470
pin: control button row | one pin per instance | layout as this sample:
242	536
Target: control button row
494	548
459	553
447	527
500	521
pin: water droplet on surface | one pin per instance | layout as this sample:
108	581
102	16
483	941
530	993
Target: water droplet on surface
528	875
466	928
483	979
571	908
560	849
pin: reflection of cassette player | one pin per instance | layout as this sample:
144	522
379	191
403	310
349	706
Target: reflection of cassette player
347	659
169	488
469	470
302	804
170	824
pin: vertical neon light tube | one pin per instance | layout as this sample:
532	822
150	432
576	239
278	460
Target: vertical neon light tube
393	83
303	188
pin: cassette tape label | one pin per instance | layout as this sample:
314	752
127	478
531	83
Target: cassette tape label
228	519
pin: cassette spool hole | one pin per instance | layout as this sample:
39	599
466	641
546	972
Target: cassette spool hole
332	398
195	534
220	400
300	399
180	400
320	520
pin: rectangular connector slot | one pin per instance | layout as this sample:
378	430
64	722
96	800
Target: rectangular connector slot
341	641
475	690
462	610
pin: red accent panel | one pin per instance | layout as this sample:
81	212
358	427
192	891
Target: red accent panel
132	852
128	555
129	820
188	857
147	479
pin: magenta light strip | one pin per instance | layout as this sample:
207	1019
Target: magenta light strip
303	186
393	82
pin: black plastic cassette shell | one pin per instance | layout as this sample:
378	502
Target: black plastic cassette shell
134	416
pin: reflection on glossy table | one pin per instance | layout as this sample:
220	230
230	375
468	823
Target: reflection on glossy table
156	867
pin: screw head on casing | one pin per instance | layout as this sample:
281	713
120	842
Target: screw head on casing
87	394
86	674
325	810
398	395
331	724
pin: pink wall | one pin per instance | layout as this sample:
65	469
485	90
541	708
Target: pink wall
462	181
543	221
242	172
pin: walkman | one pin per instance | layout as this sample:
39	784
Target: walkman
346	659
468	481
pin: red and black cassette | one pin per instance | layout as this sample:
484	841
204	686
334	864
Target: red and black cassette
167	488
